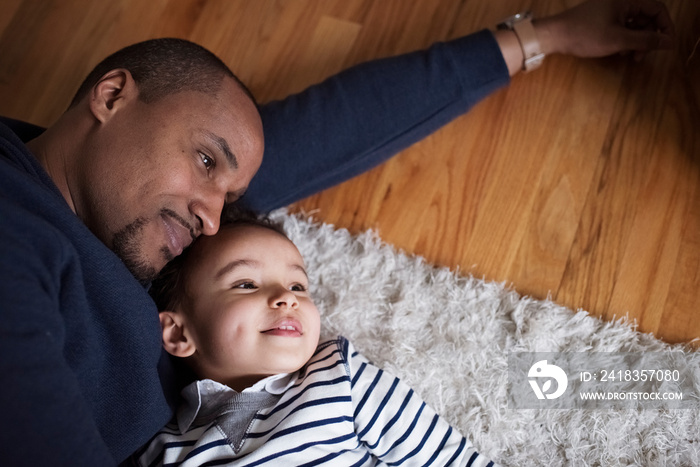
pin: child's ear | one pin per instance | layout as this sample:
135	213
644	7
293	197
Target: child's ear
176	338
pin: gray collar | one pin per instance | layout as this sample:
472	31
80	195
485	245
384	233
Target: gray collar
207	400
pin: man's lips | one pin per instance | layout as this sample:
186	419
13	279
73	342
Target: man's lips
178	233
285	328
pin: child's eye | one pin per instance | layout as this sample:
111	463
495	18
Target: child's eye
207	161
298	288
244	285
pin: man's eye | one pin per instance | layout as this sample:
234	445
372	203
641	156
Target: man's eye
208	161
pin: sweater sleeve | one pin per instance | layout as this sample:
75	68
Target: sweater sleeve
397	426
358	118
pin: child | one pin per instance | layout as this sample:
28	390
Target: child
240	315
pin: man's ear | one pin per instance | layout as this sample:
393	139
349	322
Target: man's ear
176	338
115	89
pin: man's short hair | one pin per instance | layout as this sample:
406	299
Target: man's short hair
161	67
167	290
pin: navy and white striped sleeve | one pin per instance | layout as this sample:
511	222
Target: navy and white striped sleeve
397	426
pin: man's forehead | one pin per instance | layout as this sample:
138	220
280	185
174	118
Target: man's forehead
239	124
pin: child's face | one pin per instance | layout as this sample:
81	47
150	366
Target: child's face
247	306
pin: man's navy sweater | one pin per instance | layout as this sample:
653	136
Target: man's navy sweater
79	346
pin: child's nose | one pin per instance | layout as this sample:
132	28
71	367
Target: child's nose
283	298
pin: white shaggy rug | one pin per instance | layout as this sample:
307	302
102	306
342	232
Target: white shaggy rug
449	336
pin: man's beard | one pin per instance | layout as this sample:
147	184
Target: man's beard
126	245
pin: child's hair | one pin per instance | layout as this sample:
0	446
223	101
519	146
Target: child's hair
168	288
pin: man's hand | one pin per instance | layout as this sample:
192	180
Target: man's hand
598	28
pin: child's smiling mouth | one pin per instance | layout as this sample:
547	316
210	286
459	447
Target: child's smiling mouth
286	328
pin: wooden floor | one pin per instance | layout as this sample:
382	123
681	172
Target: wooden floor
580	181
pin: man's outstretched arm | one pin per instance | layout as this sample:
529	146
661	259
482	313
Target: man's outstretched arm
359	118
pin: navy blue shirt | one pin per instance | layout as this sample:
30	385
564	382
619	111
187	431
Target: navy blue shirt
85	379
79	336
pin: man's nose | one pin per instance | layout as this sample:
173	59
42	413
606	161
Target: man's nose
207	208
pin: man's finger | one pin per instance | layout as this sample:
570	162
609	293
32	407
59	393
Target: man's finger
658	15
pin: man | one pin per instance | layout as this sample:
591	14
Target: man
157	139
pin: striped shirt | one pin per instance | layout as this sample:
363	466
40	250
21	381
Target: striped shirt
338	410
